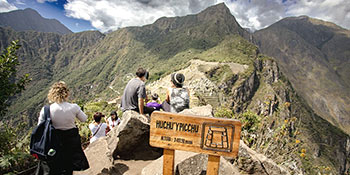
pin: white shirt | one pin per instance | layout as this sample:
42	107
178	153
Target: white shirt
63	115
112	123
100	133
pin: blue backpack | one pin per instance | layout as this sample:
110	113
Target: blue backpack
44	142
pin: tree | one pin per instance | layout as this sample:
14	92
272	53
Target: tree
10	84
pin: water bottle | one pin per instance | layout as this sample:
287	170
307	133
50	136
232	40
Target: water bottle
51	152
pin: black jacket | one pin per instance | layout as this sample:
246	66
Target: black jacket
70	155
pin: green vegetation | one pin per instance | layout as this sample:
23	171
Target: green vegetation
14	150
90	109
223	112
10	84
13	146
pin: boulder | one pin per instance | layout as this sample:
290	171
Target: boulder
251	162
131	139
205	111
97	155
198	165
189	163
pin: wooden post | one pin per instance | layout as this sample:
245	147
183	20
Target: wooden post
213	165
168	161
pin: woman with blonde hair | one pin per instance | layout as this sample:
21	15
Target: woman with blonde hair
63	115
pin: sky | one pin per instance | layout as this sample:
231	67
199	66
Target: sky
110	15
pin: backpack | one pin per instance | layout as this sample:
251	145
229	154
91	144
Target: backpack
44	142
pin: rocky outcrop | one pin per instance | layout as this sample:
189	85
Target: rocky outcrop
247	162
244	92
131	136
97	154
189	163
130	141
251	162
204	111
198	165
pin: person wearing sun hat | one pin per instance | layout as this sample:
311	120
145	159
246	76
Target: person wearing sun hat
177	96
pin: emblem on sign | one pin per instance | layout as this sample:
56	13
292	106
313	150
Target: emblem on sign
215	137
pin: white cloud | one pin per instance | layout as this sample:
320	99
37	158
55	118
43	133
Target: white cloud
336	11
257	14
42	1
108	15
6	7
19	2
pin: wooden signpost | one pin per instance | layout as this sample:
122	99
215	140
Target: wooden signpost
214	136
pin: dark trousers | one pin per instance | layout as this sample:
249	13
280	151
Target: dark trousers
166	106
146	110
45	168
70	157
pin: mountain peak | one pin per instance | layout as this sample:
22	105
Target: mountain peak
29	19
306	20
216	11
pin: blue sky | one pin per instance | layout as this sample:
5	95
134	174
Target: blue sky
54	10
109	15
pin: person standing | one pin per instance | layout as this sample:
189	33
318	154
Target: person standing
63	115
134	95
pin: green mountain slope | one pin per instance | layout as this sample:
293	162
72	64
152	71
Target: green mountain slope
96	67
47	57
315	57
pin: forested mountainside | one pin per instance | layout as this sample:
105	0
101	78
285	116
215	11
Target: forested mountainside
315	56
96	67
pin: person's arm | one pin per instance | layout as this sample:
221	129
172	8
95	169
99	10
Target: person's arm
41	116
142	96
141	105
107	121
80	114
167	96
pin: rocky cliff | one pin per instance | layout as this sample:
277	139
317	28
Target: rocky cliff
314	55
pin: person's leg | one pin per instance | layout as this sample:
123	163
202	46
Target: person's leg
42	169
166	106
148	110
136	110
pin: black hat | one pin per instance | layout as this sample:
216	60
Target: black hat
155	96
178	79
114	113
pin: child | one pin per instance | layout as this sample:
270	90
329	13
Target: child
154	104
113	120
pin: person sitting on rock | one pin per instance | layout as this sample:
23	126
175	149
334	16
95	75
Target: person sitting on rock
97	128
177	97
134	95
154	103
113	120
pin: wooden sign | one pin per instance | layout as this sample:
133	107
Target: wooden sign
213	136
